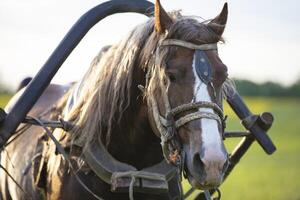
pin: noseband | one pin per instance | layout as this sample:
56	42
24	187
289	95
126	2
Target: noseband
167	125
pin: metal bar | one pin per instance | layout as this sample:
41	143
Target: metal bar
60	54
189	193
234	134
242	111
235	157
238	153
48	123
264	122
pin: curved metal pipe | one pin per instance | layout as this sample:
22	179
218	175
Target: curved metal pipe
102	163
60	54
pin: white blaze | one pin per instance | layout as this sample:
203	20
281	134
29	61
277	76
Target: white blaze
211	138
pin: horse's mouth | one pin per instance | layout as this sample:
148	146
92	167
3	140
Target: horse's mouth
198	181
202	186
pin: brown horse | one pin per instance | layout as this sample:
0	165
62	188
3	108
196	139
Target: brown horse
120	102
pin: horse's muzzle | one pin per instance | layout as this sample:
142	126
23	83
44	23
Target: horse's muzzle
208	169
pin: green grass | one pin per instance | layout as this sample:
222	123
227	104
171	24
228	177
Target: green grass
4	99
259	176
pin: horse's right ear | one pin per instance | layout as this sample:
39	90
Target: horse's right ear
218	24
162	20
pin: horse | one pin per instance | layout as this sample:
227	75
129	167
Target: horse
156	95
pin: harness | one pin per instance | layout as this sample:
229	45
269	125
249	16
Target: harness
123	177
167	125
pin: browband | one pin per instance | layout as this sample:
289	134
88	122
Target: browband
203	47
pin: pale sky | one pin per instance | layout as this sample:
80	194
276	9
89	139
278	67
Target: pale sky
262	36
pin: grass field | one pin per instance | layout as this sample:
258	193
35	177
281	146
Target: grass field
259	176
4	99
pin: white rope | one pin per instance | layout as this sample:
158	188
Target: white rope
203	47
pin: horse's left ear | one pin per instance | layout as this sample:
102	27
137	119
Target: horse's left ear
162	20
218	24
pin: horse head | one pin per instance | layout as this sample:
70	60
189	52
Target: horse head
184	95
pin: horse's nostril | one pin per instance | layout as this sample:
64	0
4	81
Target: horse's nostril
197	163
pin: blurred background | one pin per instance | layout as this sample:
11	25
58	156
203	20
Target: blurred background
261	52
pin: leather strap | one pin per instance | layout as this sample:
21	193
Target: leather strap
192	116
181	43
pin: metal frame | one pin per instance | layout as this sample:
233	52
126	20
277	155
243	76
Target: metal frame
255	125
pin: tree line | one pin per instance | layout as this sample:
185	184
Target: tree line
268	89
245	88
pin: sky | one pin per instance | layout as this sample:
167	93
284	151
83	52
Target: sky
262	37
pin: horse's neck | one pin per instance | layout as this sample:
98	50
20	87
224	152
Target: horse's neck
134	142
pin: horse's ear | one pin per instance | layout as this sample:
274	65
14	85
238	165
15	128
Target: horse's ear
162	20
218	24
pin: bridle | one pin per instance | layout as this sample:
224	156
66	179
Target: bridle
167	125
